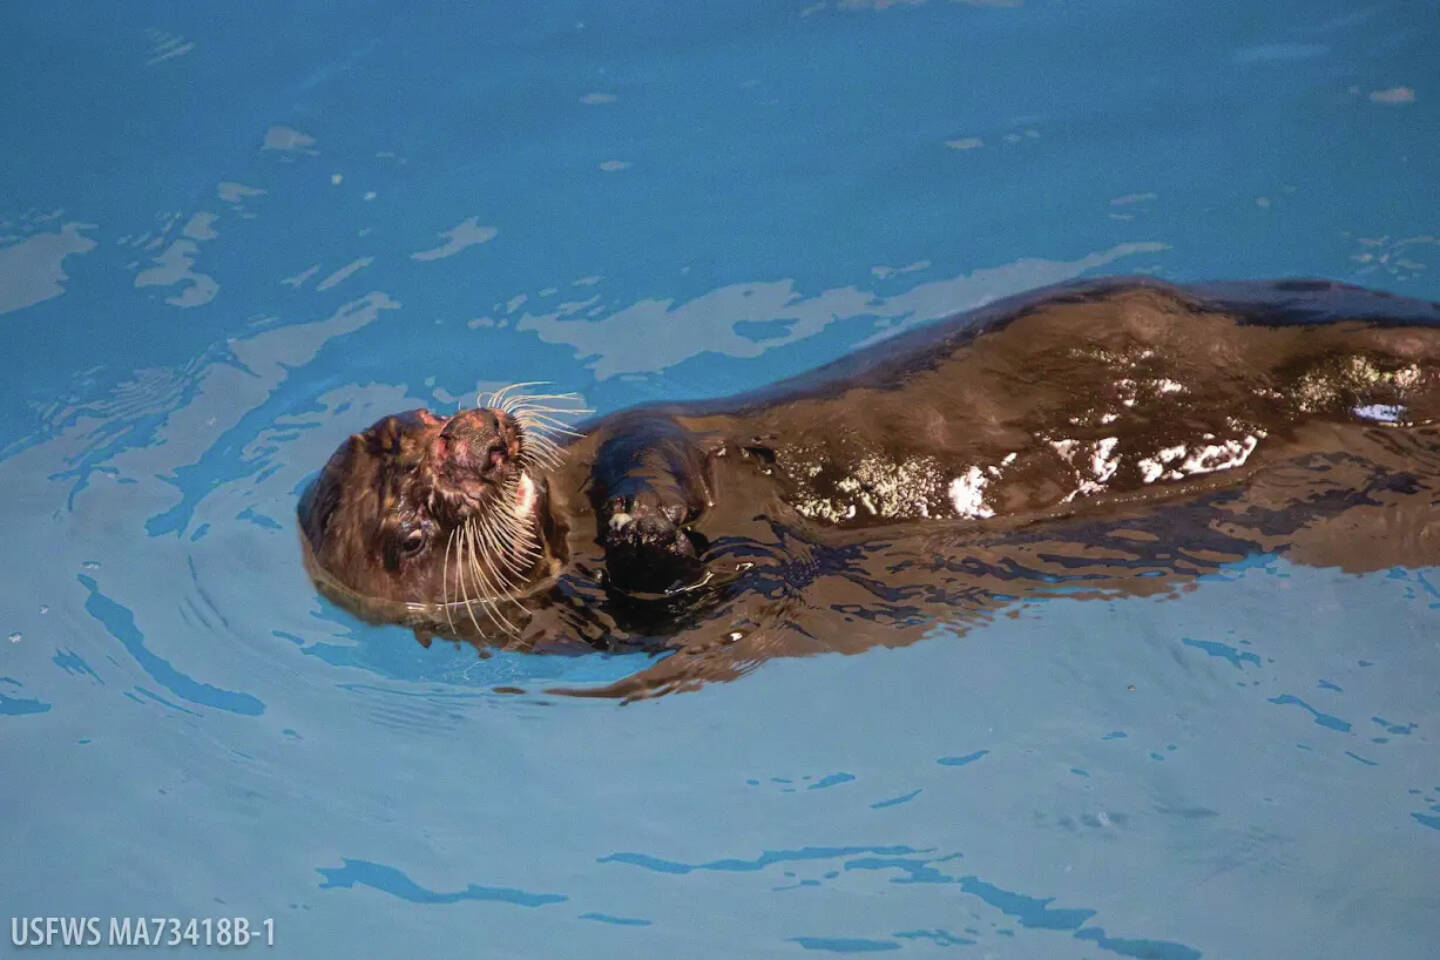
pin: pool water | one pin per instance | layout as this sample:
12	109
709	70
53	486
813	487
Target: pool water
231	236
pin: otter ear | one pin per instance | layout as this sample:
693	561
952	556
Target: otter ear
317	506
322	497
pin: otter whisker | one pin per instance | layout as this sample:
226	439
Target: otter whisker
546	455
536	425
520	533
526	383
486	585
538	457
497	578
541	450
496	396
543	464
523	543
521	404
445	582
490	605
538	429
526	404
495	540
549	422
544	429
569	394
533	400
465	593
558	402
498	399
532	428
540	422
512	545
497	557
503	573
479	582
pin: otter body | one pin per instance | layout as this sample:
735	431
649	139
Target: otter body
1070	401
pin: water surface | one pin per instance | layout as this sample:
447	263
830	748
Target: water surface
230	237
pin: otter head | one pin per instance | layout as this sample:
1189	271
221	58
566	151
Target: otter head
444	518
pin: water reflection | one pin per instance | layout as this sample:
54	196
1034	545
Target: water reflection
32	269
906	865
748	319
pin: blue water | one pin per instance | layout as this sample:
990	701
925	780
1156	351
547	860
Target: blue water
229	236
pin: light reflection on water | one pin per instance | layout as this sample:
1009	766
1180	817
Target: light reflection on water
350	228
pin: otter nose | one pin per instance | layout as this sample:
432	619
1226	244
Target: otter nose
478	440
471	422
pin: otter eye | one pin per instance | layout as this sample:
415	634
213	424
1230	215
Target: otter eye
412	542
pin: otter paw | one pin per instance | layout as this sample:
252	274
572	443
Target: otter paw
647	550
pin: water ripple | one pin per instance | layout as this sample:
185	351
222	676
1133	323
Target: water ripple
396	883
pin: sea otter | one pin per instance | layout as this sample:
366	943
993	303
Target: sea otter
1123	435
